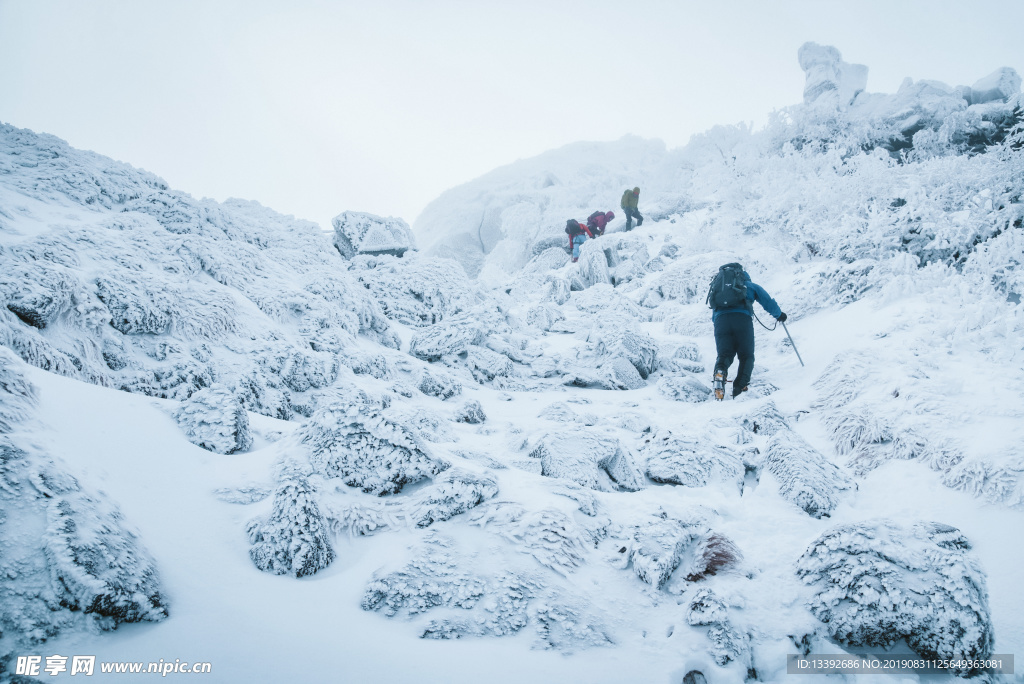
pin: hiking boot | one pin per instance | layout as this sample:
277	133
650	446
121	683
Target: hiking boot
719	385
736	391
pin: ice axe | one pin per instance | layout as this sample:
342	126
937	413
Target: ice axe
792	342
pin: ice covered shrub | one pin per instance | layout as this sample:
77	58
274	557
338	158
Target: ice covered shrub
471	412
18	396
83	565
356	442
728	644
454	492
293	539
214	419
438	384
417	292
806	477
99	565
878	582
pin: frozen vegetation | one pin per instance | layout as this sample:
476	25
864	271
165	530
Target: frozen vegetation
531	443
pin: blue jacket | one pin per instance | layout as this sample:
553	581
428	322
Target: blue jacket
754	293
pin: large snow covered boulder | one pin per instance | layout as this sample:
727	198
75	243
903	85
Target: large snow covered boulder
637	347
293	539
879	582
454	492
591	460
828	76
357	442
214	419
359	233
999	86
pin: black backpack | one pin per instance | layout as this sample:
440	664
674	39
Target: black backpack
592	219
729	288
572	227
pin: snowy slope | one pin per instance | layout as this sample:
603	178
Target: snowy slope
328	461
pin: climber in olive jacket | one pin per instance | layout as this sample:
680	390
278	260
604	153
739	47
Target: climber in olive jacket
630	198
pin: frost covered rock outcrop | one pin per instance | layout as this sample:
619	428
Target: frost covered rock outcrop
879	582
214	419
693	462
591	460
359	233
828	76
358	443
148	290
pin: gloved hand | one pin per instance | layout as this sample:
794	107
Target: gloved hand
782	317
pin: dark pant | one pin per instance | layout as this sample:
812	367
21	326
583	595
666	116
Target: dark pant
734	335
630	215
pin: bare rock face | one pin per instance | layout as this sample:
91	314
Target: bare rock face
878	582
359	233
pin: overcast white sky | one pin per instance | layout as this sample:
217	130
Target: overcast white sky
315	107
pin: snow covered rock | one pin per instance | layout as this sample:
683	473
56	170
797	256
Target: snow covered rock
684	388
356	442
1000	85
434	383
544	316
878	582
561	412
657	547
828	77
486	365
214	419
631	344
806	477
765	420
591	460
293	539
453	492
680	460
615	373
450	337
359	233
471	412
82	567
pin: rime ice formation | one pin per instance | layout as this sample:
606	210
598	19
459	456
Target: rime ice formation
531	443
359	233
878	582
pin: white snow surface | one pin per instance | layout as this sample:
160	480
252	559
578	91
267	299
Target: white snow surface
483	461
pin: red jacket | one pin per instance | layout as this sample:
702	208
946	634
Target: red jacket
597	221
